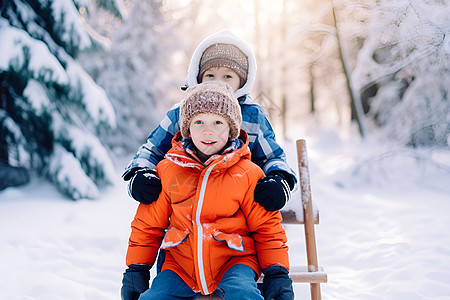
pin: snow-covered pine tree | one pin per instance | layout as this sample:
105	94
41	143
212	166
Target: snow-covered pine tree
135	73
50	108
405	65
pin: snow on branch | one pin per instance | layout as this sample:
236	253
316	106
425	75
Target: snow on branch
42	63
94	97
68	175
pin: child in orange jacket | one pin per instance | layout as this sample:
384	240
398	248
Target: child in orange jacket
216	237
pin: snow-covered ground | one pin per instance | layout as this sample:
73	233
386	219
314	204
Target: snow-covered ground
383	233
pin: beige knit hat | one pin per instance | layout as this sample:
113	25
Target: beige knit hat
214	97
224	55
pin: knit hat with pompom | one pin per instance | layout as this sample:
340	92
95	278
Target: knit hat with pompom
213	97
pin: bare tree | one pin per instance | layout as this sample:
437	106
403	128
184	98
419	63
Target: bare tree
355	100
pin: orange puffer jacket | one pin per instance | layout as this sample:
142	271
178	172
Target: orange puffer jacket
211	219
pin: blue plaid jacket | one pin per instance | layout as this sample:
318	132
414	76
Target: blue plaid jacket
266	153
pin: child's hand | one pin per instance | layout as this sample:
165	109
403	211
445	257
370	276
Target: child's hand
145	186
135	281
272	191
277	284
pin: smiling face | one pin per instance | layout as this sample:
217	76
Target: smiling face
223	74
209	132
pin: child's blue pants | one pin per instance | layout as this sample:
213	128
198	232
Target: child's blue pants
237	283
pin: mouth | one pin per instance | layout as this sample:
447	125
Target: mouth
208	143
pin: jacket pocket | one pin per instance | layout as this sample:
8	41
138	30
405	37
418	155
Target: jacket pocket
174	237
233	240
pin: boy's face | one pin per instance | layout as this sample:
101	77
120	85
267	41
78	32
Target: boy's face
209	132
223	74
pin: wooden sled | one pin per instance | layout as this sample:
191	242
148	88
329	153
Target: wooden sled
311	273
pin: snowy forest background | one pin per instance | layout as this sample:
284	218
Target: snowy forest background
84	82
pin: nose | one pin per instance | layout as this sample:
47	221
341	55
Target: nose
207	131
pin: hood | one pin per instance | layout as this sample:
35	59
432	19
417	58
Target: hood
223	37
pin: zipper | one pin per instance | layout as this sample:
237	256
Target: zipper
201	197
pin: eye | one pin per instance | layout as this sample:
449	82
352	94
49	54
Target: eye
197	122
228	76
209	75
218	122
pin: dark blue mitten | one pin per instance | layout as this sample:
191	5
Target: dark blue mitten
145	186
135	281
273	191
277	284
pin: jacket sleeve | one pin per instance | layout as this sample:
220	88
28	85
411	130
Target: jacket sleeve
157	144
147	231
266	152
267	231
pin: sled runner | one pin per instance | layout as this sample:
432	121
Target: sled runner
311	273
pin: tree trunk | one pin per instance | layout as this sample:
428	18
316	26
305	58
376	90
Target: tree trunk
355	102
312	97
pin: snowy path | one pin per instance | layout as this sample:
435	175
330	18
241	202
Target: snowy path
383	233
53	248
389	239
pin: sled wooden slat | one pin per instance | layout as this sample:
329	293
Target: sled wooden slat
301	274
289	217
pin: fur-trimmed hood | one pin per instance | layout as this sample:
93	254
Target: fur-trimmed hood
223	37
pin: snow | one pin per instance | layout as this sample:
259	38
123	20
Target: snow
93	96
37	96
72	179
383	231
99	160
41	62
44	65
66	14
